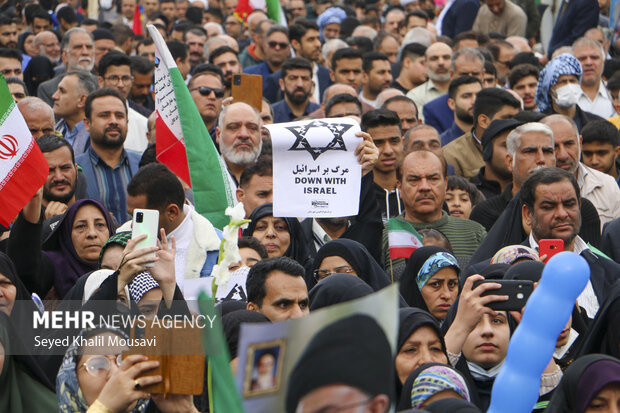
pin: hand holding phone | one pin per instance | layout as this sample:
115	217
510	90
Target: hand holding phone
518	291
547	248
145	222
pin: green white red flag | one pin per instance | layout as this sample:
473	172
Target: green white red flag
182	140
23	168
403	239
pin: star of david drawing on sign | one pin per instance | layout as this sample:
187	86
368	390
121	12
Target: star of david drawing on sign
302	144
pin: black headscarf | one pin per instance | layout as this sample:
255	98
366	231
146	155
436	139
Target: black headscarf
408	285
298	248
409	321
21	40
58	247
38	71
604	333
583	379
337	288
352	351
231	323
358	258
451	406
481	390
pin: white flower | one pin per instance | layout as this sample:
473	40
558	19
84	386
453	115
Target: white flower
229	251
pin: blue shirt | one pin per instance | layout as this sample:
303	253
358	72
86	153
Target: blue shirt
438	114
451	134
79	138
112	183
259	69
282	112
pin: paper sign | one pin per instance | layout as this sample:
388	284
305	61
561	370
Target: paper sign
315	169
285	341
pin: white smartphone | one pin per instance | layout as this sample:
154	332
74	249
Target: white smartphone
145	221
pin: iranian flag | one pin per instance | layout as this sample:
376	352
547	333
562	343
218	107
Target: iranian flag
183	142
23	169
273	8
403	239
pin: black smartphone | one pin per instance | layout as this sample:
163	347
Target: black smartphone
518	291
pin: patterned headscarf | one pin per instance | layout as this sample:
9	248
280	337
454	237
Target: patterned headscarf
142	284
511	253
120	239
433	264
436	379
564	64
70	396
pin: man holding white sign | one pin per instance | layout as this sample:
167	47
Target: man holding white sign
317	163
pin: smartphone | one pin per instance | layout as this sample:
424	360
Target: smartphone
518	291
249	89
145	221
549	247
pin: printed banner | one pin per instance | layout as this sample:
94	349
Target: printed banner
315	170
285	343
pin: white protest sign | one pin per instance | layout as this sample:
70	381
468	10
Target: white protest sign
315	169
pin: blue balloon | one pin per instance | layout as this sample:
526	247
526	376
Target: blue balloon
546	313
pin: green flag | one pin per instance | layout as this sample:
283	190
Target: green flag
223	394
183	142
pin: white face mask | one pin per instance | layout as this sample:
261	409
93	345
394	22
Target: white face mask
567	96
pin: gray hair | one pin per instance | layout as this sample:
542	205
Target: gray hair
64	43
365	31
33	103
513	141
418	35
220	121
469	54
331	46
586	41
85	79
216	25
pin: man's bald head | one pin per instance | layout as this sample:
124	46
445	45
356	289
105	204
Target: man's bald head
338	89
38	115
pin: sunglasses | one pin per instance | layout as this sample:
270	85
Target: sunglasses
206	91
98	365
276	45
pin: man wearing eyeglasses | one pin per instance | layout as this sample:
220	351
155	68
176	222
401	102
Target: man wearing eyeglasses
115	72
207	89
277	49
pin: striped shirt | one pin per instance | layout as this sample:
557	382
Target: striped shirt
112	183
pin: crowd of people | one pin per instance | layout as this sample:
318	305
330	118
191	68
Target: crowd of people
487	126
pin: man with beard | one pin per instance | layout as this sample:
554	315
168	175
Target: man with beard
599	188
523	79
8	33
239	138
107	166
465	152
141	99
46	44
296	83
437	60
376	76
59	190
77	53
462	95
227	59
305	40
11	63
195	39
551	207
69	103
115	72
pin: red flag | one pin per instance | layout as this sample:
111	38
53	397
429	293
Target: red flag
137	20
23	169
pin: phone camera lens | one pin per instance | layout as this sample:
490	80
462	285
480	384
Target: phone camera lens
139	217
